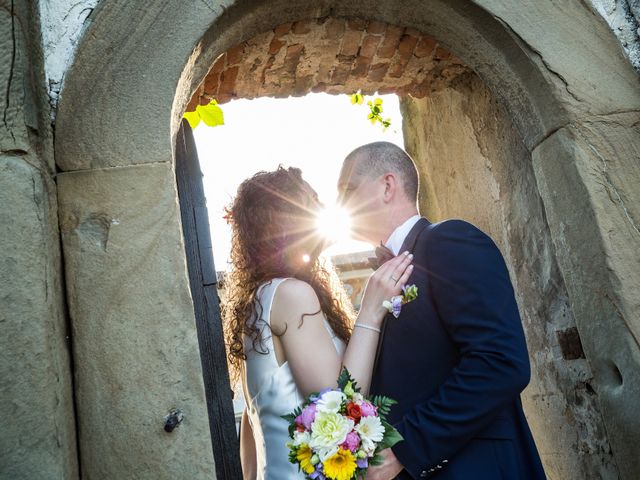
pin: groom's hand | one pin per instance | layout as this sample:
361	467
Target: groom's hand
388	470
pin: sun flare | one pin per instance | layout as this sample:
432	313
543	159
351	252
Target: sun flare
334	224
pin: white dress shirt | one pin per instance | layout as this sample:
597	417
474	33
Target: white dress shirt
397	237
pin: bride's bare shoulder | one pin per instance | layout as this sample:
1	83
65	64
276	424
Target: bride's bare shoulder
293	298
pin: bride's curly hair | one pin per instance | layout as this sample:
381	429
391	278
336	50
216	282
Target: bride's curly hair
273	228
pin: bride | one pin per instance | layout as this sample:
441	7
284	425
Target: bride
288	320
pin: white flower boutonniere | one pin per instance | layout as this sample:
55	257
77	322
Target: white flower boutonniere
409	294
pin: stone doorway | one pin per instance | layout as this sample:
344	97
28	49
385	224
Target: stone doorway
561	145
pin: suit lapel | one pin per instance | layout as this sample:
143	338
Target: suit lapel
408	245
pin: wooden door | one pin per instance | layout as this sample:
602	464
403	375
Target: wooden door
203	282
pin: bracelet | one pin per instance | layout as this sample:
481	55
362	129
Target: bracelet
368	327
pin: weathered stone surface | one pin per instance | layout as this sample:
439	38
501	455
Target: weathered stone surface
623	17
474	166
595	227
38	440
135	344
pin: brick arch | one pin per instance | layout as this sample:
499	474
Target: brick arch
332	55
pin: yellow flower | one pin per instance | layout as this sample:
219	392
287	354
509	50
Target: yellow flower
304	457
340	466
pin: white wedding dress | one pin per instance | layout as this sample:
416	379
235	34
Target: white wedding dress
270	391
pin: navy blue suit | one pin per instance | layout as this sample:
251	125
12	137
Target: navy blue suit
456	361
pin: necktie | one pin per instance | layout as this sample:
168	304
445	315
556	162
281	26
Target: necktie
383	254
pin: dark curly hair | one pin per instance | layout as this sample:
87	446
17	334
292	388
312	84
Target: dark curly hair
272	221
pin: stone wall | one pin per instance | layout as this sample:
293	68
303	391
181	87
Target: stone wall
332	55
38	439
474	166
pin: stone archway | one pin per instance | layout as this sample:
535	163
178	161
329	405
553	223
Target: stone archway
118	209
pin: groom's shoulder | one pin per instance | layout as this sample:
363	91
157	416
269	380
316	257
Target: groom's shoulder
453	228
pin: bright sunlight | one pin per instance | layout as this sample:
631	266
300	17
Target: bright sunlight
313	133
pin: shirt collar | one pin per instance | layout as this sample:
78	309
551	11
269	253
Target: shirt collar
397	238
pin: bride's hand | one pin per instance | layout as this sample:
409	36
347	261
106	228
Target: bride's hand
386	282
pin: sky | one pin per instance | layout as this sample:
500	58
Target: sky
313	133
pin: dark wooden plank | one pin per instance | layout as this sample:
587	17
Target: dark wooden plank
206	307
204	246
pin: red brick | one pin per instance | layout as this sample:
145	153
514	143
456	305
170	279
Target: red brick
390	42
425	47
218	65
406	46
228	80
386	91
294	52
377	72
319	88
193	103
361	67
350	43
303	85
211	83
281	30
334	28
340	74
441	54
357	24
234	55
397	69
223	98
275	46
413	32
376	27
301	27
204	99
369	46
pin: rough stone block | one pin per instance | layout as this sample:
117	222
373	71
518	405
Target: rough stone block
596	231
135	343
36	398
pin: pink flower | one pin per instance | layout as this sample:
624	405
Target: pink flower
352	442
307	416
368	410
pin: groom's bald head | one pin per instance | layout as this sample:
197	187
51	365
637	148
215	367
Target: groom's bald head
375	159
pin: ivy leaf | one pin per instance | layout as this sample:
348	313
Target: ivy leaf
357	98
193	118
211	114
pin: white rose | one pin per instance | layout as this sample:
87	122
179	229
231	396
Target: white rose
330	401
371	432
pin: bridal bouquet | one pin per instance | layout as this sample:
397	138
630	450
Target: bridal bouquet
337	433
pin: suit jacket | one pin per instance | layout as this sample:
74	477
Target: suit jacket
456	361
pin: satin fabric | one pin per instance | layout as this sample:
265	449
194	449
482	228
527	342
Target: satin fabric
270	392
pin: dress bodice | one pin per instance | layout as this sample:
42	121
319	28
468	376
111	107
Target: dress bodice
270	392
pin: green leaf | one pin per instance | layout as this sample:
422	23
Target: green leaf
391	437
357	98
211	114
376	460
193	118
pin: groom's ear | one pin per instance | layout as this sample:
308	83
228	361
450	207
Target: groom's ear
390	181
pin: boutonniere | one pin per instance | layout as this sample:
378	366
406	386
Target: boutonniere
409	294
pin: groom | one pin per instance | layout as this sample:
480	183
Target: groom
456	358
